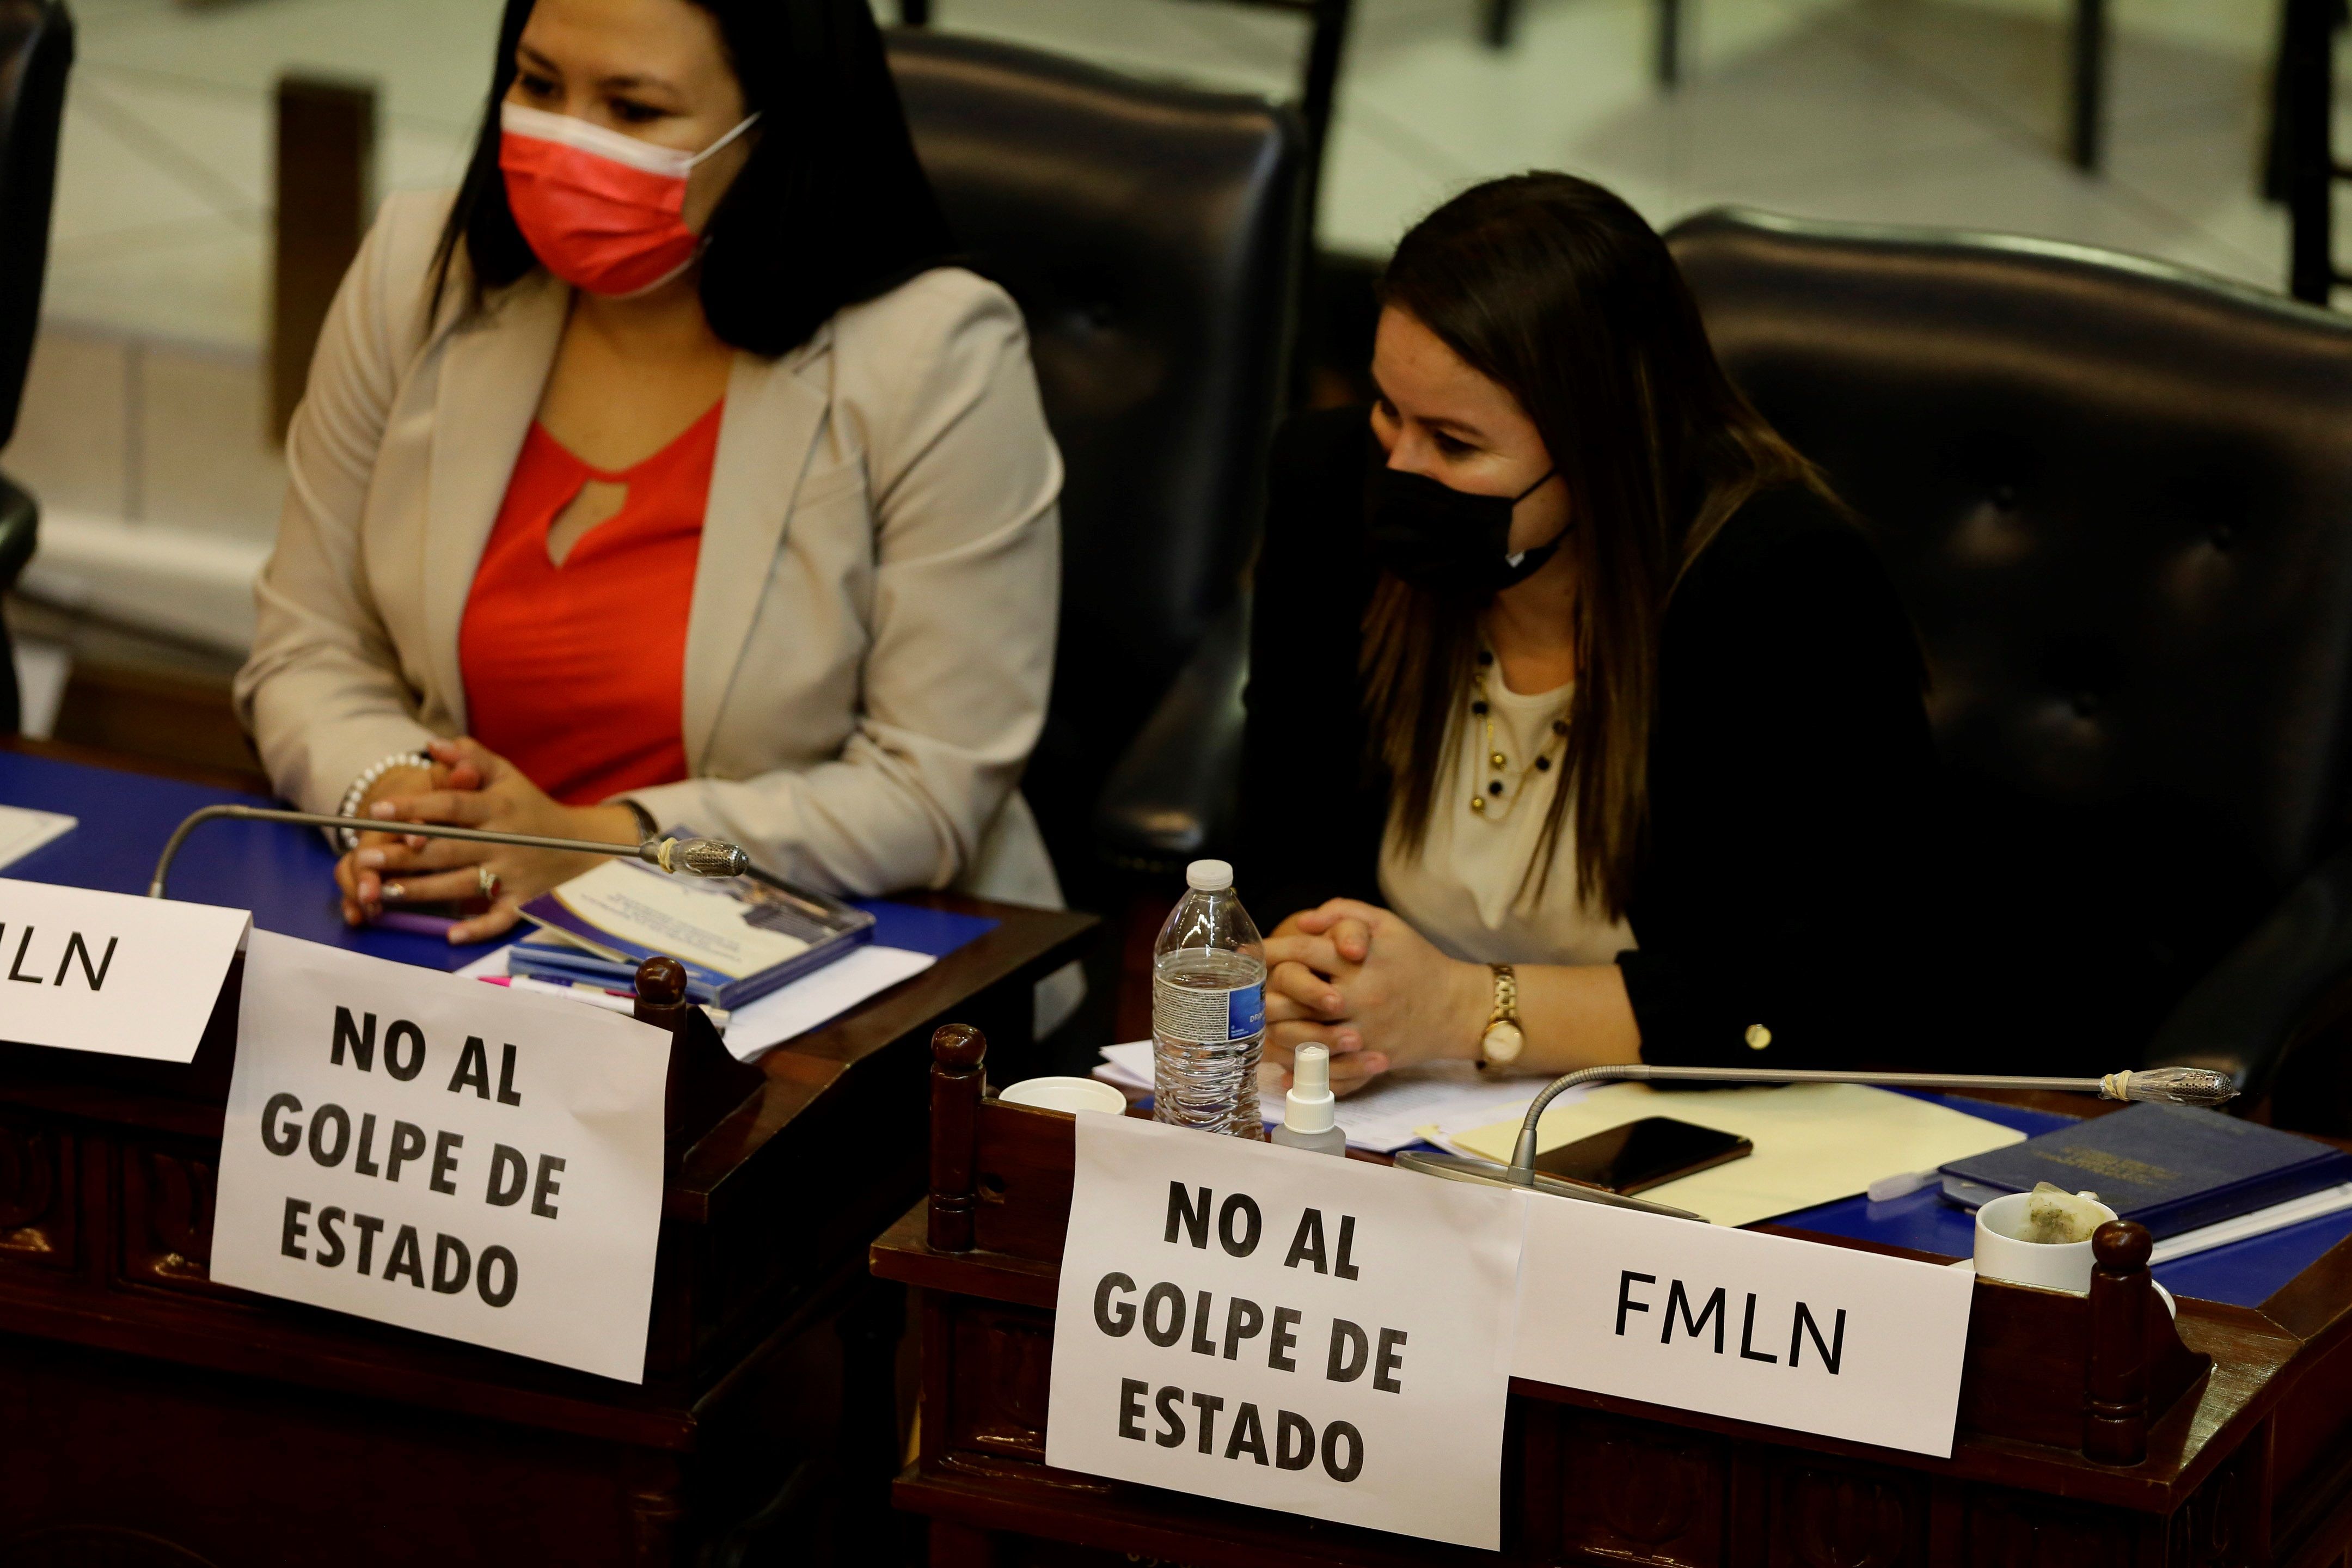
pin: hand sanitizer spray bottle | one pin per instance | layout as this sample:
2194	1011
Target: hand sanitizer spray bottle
1306	1109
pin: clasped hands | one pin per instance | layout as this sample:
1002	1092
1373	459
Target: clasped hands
467	785
1358	979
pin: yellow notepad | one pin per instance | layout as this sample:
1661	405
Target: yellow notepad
1814	1143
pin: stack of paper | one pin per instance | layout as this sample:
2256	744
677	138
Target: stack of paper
22	831
786	1012
1399	1109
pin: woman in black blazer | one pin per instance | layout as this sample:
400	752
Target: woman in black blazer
1584	726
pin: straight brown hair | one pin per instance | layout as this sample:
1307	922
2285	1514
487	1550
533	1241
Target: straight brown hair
1562	295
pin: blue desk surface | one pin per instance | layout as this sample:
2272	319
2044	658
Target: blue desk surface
284	875
2245	1273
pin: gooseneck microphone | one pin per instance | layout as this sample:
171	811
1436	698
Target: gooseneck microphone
2168	1086
692	856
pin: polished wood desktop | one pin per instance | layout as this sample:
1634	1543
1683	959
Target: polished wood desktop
2095	1432
148	1415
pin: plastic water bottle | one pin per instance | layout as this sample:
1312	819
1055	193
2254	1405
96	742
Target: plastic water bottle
1208	1009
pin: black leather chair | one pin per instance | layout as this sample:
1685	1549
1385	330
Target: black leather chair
1153	237
36	51
2118	499
1327	41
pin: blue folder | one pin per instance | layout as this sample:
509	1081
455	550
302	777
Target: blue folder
2243	1273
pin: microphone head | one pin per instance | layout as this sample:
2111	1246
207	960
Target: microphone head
2170	1086
707	857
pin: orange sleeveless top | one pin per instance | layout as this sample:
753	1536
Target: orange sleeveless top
576	673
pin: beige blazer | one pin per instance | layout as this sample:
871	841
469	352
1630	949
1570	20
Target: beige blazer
872	632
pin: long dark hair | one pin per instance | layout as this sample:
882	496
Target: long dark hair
831	207
1559	292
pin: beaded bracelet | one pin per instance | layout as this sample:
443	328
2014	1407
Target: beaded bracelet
353	796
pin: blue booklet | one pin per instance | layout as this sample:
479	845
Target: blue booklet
739	938
2172	1168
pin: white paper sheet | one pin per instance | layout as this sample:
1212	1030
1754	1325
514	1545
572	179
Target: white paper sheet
111	973
1768	1328
1384	1118
458	1159
23	830
1362	1312
821	997
491	963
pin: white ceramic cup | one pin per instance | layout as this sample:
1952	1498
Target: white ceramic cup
1067	1094
2053	1266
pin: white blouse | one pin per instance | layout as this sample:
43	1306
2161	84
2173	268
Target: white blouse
1467	890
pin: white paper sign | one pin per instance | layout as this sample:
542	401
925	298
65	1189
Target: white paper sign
452	1157
1286	1329
1759	1328
109	972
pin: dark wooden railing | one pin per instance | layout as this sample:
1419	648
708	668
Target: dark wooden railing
2303	169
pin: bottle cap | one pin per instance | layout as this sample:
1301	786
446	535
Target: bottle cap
1308	1106
1210	875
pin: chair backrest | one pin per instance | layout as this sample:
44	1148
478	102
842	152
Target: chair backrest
2117	496
36	51
1327	41
1152	237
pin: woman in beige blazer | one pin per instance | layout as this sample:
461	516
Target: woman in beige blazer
870	636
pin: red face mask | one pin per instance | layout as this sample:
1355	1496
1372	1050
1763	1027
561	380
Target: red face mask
603	211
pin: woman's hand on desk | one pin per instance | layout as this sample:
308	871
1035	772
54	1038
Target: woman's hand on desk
1360	980
362	888
478	788
1303	1007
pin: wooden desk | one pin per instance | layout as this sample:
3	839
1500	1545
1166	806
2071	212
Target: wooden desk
2245	1417
148	1415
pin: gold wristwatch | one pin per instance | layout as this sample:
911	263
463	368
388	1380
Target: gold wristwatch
1503	1040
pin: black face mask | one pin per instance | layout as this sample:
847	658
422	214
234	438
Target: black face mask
1448	541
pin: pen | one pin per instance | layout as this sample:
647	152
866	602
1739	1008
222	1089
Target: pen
410	920
594	995
1888	1188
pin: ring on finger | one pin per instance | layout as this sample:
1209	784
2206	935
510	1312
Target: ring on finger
393	892
487	881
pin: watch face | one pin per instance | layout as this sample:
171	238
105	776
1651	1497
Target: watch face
1502	1042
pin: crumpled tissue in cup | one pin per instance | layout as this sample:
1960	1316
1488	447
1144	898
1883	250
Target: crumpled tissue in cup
2055	1218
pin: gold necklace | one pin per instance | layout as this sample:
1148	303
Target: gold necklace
1483	708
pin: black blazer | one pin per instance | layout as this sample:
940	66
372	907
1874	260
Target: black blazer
1792	773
